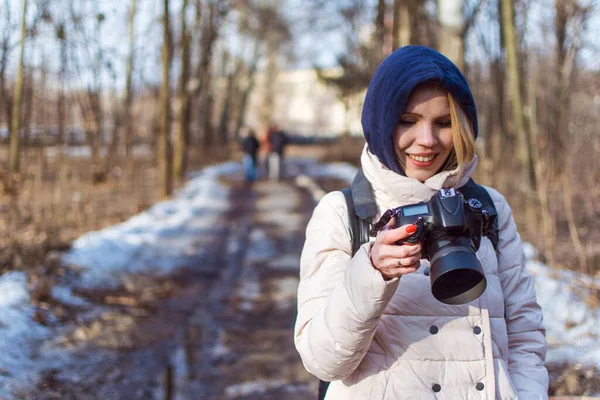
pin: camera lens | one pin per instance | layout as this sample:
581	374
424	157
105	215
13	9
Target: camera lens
456	275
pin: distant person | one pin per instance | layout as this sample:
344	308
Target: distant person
250	146
368	319
277	140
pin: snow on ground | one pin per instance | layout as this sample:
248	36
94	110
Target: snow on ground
155	237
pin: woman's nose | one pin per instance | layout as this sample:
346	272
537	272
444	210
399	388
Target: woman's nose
427	136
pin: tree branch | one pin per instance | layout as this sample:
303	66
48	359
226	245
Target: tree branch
469	21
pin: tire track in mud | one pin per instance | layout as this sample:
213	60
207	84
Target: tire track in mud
250	352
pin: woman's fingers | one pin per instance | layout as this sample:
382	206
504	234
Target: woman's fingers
407	262
394	260
391	236
399	251
395	272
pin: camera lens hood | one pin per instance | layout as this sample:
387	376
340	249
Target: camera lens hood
456	275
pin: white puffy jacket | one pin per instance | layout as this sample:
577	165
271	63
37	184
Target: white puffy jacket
377	339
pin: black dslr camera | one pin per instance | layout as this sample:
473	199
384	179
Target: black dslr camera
450	230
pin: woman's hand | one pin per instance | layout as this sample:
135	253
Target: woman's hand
394	260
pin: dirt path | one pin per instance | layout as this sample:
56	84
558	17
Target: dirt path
219	328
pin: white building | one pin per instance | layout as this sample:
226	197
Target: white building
305	105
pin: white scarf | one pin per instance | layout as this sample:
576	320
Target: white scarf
393	190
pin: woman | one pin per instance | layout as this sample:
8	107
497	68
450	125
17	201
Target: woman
369	323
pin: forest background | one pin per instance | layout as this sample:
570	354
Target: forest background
105	106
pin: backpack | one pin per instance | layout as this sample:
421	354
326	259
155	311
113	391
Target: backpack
362	208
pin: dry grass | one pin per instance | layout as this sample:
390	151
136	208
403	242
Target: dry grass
50	204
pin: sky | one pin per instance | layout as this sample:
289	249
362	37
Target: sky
313	45
153	240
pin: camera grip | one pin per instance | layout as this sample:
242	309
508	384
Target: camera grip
417	236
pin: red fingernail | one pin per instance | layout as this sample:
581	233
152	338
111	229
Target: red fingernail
411	229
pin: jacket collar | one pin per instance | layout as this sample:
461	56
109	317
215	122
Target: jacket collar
391	189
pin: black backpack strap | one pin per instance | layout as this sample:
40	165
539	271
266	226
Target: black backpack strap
322	389
472	189
358	231
359	202
364	203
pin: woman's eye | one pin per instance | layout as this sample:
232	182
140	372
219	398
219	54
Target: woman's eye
406	122
445	124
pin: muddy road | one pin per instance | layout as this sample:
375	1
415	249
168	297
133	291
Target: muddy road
219	327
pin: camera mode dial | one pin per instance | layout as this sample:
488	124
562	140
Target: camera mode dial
474	205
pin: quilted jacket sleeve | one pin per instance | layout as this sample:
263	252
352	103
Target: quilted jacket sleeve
523	315
340	298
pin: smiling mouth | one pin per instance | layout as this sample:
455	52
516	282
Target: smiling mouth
421	159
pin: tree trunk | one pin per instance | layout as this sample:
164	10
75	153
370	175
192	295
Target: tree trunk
28	106
5	96
13	155
524	153
203	73
450	37
248	89
183	101
112	155
401	24
268	104
229	100
127	125
380	31
60	134
546	222
569	21
95	129
164	143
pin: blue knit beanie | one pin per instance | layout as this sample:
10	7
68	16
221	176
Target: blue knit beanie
390	89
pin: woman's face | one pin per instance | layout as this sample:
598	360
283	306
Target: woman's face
423	136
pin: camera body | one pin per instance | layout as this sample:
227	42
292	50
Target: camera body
450	228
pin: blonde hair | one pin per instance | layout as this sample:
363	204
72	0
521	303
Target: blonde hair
463	138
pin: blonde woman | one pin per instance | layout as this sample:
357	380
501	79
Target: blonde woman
368	323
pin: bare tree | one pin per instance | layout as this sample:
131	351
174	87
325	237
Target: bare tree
165	163
5	48
453	29
61	35
90	99
16	111
182	134
245	92
217	10
569	22
127	122
401	32
524	152
232	75
380	31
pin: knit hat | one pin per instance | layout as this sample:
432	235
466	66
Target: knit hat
391	86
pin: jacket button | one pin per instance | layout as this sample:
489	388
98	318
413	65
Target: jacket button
436	388
433	330
426	271
480	386
477	330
